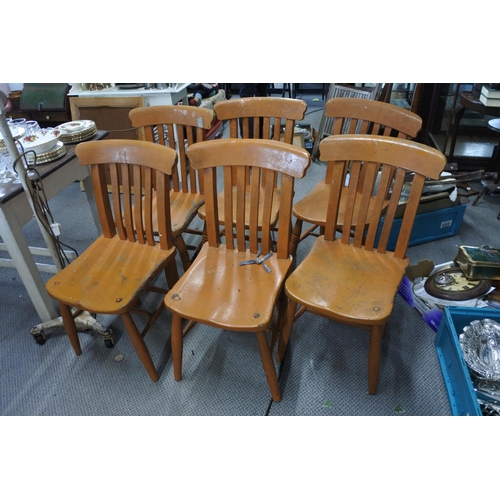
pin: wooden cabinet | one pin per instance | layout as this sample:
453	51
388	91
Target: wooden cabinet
46	103
108	113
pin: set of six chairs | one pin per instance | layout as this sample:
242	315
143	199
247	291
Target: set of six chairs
244	276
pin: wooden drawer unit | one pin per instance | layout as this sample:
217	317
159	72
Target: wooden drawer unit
108	113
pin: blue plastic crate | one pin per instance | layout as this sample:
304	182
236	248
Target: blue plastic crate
428	226
463	400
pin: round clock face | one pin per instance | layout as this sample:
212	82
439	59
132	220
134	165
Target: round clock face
452	284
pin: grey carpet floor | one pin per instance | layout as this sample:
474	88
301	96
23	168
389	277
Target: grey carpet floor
324	373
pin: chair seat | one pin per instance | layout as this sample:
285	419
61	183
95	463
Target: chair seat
220	203
346	283
230	296
109	275
312	208
183	209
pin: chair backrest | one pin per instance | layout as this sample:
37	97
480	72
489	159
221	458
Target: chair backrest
253	157
175	126
349	155
360	116
126	206
261	117
277	117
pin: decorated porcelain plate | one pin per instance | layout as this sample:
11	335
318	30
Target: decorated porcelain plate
71	127
83	127
41	142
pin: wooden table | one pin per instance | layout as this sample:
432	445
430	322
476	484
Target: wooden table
15	212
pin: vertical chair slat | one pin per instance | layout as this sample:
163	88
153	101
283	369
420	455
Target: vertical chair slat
127	201
210	182
137	206
102	201
181	148
254	212
410	212
228	205
267	211
383	188
338	170
240	206
369	171
351	191
148	205
285	229
117	206
391	209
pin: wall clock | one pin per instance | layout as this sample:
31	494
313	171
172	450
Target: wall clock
452	284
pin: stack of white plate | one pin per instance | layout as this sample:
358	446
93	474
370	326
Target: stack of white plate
45	143
76	131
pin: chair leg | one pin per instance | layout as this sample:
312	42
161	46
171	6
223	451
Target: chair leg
181	246
171	274
285	331
140	346
177	344
268	364
376	334
70	327
295	238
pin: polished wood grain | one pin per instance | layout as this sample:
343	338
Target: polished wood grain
259	118
178	127
112	273
217	290
351	116
351	277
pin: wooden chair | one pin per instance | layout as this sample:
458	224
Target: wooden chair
259	118
219	289
178	127
354	279
350	116
111	274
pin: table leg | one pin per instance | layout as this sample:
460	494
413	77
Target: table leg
460	110
14	240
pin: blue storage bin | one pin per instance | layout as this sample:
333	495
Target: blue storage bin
428	226
463	400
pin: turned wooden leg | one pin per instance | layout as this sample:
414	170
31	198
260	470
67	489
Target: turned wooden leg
286	330
268	364
181	246
177	344
171	274
140	346
376	334
294	241
70	327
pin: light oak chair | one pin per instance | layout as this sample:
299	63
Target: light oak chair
349	116
178	127
259	118
236	283
110	276
354	279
